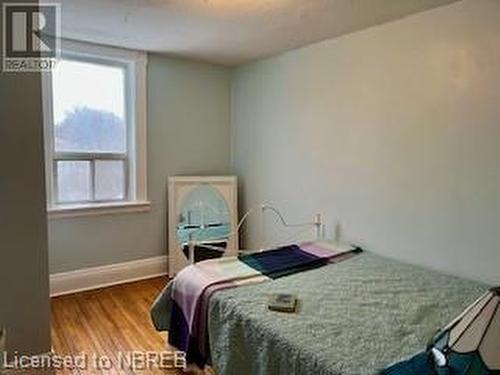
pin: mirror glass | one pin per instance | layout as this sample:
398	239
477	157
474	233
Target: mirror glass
205	219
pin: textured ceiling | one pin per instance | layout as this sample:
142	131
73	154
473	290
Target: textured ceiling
229	32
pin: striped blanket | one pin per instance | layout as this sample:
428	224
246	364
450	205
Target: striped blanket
195	284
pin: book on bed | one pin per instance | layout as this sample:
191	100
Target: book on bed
282	302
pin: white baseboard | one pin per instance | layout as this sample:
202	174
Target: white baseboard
113	274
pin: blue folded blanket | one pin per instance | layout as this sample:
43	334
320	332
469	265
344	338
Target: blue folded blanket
283	261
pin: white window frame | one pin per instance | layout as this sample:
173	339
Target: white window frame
135	64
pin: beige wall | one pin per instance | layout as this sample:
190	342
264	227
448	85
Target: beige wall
24	291
188	133
393	133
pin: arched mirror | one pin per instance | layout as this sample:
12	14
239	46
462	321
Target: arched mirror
202	219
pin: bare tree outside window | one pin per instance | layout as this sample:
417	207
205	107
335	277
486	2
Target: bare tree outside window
90	132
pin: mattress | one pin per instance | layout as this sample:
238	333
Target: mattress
355	317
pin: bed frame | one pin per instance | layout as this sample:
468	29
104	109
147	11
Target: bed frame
316	224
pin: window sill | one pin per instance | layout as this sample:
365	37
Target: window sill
78	210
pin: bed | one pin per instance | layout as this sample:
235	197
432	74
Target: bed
354	317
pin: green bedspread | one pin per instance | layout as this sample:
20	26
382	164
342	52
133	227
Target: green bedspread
355	317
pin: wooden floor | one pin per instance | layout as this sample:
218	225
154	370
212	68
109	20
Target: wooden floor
107	322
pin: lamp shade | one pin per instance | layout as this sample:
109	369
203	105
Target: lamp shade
470	344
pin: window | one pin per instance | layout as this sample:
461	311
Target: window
95	130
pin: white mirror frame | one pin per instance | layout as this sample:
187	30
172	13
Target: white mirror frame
178	188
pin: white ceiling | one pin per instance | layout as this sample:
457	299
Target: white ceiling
229	32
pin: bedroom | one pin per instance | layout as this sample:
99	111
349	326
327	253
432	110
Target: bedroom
380	116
